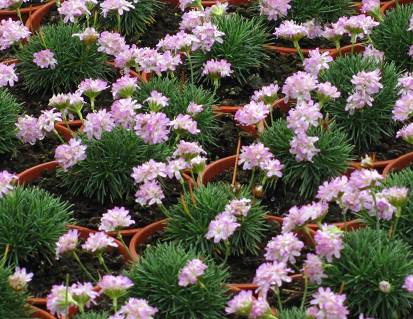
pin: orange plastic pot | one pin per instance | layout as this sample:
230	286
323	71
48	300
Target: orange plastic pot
39	313
399	163
26	12
35	20
391	4
67	130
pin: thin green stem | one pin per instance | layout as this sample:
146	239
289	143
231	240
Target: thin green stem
227	251
102	262
120	238
59	137
338	46
396	222
252	179
278	293
118	17
191	68
305	292
67	296
115	304
76	256
92	104
19	14
299	51
6	253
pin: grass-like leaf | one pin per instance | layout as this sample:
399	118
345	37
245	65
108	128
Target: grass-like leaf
9	111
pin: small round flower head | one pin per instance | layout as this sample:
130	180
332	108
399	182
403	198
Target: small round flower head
271	275
185	123
336	31
284	248
217	68
175	167
118	6
70	154
59	300
48	118
115	219
272	168
98	242
188	150
153	127
240	304
84	293
222	227
314	29
19	279
157	100
326	91
252	113
368	82
328	242
97	123
73	9
114	286
313	269
124	87
197	164
6	180
207	34
194	108
254	155
12	32
191	272
44	59
137	309
384	286
267	94
148	171
168	62
149	193
365	178
299	86
7	75
403	108
111	43
274	9
92	88
371	52
317	61
238	207
406	133
192	19
306	114
183	4
328	305
405	83
299	216
179	42
260	309
289	30
384	209
408	283
89	35
67	243
370	6
123	113
360	25
397	196
28	129
303	147
332	190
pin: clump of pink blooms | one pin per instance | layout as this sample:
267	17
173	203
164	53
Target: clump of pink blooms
97	123
98	242
68	155
115	286
216	70
403	108
71	10
153	127
115	219
136	308
299	86
271	275
124	87
327	304
328	242
190	274
6	182
12	32
317	61
117	6
252	113
298	217
19	279
7	75
274	9
284	248
222	227
290	30
67	243
29	130
45	59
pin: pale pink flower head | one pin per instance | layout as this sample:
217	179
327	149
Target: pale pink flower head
272	168
336	31
28	129
184	123
299	86
207	34
217	69
271	275
397	196
252	113
383	208
403	108
188	150
326	91
371	52
12	32
222	227
59	300
88	36
313	269
148	171
183	4
123	112
98	243
317	61
111	43
72	9
68	155
124	87
115	219
274	9
289	30
326	304
303	147
137	309
153	127
405	83
298	217
406	133
19	279
240	304
189	274
408	283
260	309
360	25
84	293
6	182
284	248
192	19
332	190
194	108
97	123
149	193
267	94
179	42
92	88
238	207
254	155
175	167
45	59
117	6
368	82
365	178
329	242
314	29
48	118
370	6
115	286
67	243
305	115
157	101
7	75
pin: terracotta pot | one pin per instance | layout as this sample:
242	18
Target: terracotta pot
391	4
220	166
39	313
35	20
252	287
26	12
68	132
209	3
399	163
358	47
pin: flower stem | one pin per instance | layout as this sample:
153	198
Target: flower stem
115	304
118	17
59	137
299	51
280	306
252	179
92	104
120	238
305	292
191	68
76	256
102	262
19	14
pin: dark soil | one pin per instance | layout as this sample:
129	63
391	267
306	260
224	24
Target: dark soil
389	148
52	273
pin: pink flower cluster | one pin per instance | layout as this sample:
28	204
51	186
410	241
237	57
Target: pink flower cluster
6	182
326	304
252	113
115	219
244	304
370	6
317	61
298	217
274	9
217	69
12	32
45	59
289	30
7	75
116	6
222	227
136	308
271	275
284	248
73	9
19	279
328	241
299	86
68	155
189	274
403	108
97	123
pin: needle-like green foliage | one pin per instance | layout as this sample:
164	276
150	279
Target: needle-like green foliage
9	111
